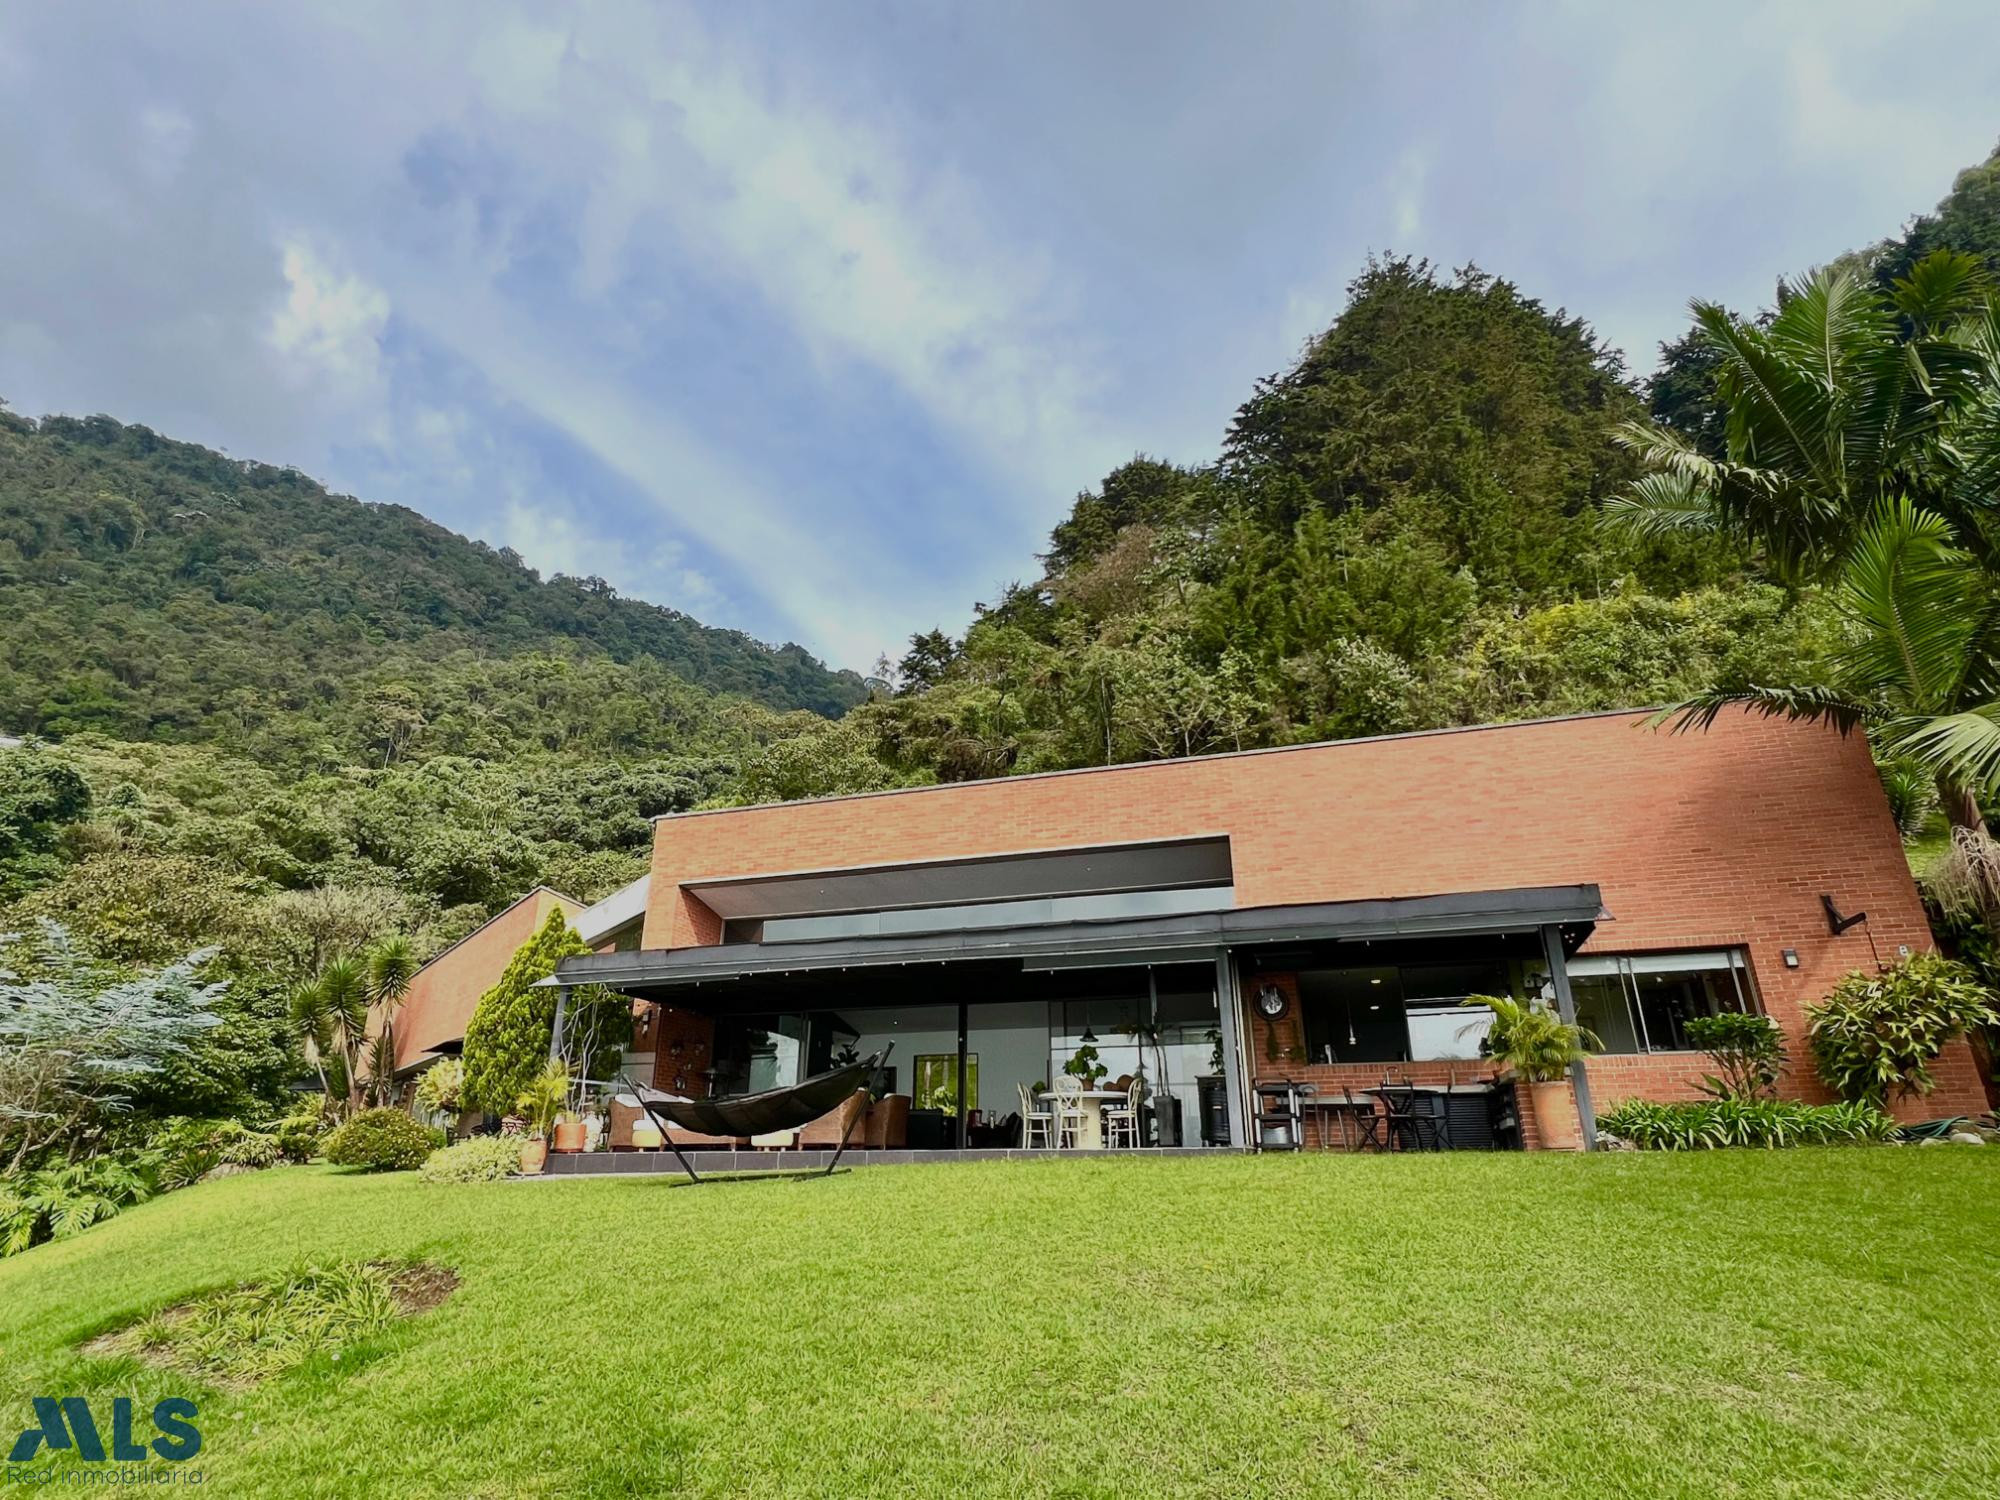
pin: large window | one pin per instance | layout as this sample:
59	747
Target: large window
1643	1003
1406	1013
937	1081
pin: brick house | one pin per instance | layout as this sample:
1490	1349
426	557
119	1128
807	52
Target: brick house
1227	927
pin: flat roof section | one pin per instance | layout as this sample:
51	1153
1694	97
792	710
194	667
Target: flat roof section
1158	865
1575	909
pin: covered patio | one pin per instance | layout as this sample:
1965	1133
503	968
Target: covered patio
1121	1034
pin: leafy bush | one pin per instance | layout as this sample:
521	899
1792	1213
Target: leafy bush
484	1158
382	1140
507	1039
302	1133
1878	1032
56	1202
182	1152
1536	1043
1710	1124
1747	1050
441	1088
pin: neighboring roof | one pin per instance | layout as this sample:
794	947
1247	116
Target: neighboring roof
1182	936
619	909
501	915
1153	765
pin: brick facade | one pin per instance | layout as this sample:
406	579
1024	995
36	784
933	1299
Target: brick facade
1700	840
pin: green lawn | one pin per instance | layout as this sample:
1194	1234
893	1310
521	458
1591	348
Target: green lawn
1793	1324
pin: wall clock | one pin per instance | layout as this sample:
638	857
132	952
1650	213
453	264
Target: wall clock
1271	1002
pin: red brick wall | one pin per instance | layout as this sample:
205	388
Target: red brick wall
1698	841
445	990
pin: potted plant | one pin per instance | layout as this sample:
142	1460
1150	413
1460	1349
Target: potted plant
1084	1067
541	1108
1540	1047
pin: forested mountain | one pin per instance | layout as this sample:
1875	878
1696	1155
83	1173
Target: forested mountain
152	589
1401	533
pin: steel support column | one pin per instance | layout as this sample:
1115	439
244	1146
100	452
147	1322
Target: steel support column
1235	1096
1579	1077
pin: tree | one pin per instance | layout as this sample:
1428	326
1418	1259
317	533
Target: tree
38	794
76	1040
507	1040
329	1014
389	967
1923	671
1923	667
1847	397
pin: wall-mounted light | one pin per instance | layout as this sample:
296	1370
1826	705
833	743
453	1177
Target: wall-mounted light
1791	958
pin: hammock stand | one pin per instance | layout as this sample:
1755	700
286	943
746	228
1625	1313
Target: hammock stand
759	1114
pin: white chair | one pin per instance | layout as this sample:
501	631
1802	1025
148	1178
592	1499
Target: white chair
1121	1121
1069	1112
1035	1119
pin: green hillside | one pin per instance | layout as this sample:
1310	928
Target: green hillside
152	589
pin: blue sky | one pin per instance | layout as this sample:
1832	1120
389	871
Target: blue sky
810	319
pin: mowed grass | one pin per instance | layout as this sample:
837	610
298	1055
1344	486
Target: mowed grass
1808	1323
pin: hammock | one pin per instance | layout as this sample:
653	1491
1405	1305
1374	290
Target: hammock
762	1113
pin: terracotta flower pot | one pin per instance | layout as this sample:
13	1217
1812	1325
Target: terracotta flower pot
1555	1116
534	1156
569	1136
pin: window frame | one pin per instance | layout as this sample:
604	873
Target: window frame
1627	967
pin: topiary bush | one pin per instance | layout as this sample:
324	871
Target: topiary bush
382	1140
484	1158
1878	1033
507	1039
1712	1124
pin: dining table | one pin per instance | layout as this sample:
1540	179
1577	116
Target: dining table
1467	1121
1091	1138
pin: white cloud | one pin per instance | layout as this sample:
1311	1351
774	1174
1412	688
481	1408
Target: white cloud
329	327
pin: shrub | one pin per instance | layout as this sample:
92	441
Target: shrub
1747	1050
1877	1032
484	1158
182	1152
56	1202
1711	1124
507	1039
382	1140
441	1089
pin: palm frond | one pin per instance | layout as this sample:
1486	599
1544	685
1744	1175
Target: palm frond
1964	746
1778	417
343	990
392	964
1942	288
1912	591
1666	502
1824	705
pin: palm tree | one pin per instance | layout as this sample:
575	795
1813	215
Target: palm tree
312	1026
343	996
1845	398
1923	673
391	964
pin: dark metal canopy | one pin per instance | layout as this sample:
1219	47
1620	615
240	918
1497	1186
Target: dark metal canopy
1179	938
